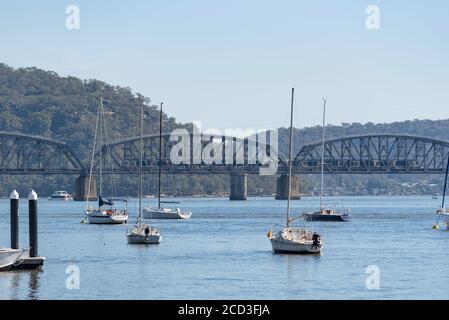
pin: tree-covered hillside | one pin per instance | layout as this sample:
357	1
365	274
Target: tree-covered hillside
40	102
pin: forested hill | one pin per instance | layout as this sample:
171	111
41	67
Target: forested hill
39	102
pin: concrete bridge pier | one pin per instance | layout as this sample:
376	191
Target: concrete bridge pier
82	187
282	188
239	187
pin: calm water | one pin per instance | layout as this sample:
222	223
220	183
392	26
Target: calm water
222	253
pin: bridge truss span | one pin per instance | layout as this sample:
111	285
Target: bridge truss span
205	154
375	154
27	154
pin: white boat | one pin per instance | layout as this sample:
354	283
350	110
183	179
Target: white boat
443	212
142	233
60	196
8	257
105	213
160	212
443	219
165	213
325	212
108	215
293	239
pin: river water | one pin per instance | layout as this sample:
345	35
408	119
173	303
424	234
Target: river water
222	252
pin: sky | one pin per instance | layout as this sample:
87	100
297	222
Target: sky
231	64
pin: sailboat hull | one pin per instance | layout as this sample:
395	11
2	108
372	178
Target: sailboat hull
149	213
295	241
316	216
280	246
97	217
140	239
143	234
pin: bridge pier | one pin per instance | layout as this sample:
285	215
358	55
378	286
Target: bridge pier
82	187
282	188
239	187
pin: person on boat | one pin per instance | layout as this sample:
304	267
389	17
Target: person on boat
316	239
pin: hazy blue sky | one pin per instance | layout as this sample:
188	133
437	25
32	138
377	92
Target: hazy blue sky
232	63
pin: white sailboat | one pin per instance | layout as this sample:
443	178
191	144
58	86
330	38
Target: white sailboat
9	256
105	213
443	212
294	239
142	233
326	212
161	212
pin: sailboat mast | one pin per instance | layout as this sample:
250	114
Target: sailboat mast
160	159
140	162
92	159
322	154
445	183
101	145
290	158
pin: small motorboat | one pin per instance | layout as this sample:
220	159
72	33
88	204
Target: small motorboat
61	196
9	257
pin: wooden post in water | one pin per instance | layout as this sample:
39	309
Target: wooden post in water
32	211
31	260
14	206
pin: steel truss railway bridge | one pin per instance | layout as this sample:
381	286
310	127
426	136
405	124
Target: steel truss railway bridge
358	154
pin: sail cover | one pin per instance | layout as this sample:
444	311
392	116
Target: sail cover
102	202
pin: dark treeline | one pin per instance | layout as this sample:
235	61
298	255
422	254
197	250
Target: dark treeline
39	102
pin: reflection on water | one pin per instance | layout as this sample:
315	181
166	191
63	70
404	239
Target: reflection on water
19	282
33	284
